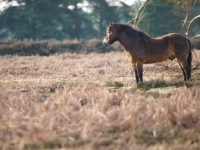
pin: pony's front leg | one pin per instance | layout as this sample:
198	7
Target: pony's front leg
136	72
138	68
140	71
136	75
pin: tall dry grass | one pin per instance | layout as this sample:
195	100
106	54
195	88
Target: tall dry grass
67	99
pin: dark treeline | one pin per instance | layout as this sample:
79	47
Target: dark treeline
61	19
87	19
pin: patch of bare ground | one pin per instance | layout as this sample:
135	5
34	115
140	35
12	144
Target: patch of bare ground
75	101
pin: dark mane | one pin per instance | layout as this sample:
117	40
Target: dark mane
126	26
132	30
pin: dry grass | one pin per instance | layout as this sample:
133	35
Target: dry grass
73	101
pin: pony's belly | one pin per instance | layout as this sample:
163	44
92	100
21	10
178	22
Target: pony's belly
155	59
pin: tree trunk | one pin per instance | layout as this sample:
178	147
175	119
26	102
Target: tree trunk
136	19
100	17
76	24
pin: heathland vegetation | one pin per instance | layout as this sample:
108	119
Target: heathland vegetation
79	101
47	47
52	46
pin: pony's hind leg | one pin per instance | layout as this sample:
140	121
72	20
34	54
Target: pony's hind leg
185	69
184	60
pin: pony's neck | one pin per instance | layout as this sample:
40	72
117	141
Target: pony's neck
127	39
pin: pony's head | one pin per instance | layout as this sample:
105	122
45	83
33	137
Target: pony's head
111	34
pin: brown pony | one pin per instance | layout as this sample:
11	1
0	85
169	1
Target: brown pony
143	49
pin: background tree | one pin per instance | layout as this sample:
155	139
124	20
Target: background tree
189	8
44	19
33	19
103	12
67	19
161	18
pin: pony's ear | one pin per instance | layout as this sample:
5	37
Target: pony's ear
111	23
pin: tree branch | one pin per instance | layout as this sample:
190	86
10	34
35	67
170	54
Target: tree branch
188	28
186	17
196	36
195	3
136	19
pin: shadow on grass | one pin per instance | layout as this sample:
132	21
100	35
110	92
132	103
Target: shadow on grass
162	84
115	84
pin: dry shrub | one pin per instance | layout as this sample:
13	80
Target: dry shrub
46	47
195	43
95	45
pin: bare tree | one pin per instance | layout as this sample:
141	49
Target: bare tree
136	19
188	28
186	5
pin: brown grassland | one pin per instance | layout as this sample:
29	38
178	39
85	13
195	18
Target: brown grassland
86	102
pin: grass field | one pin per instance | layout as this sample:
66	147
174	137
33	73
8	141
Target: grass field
91	102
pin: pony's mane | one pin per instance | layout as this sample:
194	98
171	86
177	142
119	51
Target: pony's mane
120	25
132	28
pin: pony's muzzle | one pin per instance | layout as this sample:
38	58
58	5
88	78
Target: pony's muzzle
105	43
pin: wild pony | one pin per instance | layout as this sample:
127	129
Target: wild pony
143	49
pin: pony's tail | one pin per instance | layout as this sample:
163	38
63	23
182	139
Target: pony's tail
189	60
